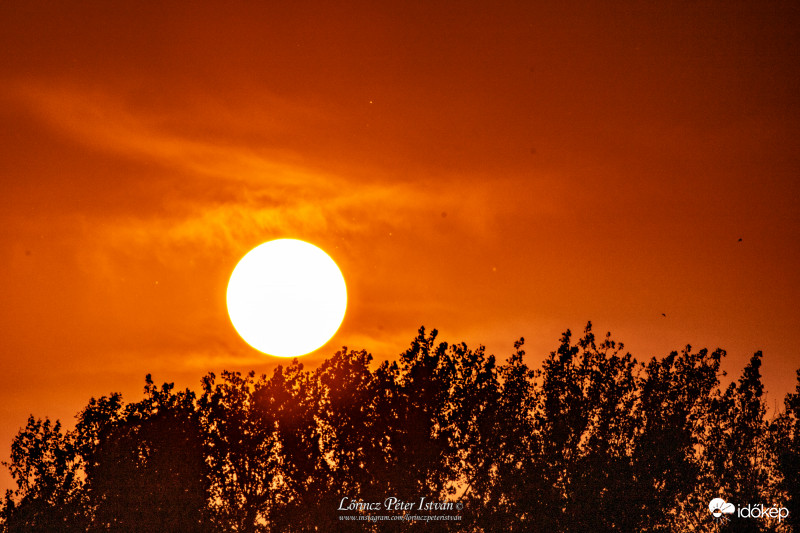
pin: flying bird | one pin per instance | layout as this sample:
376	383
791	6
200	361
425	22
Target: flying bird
740	239
662	314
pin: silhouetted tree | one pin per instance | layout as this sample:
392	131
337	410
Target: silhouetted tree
353	425
290	402
587	422
147	471
243	453
737	453
785	445
676	396
592	441
49	489
501	453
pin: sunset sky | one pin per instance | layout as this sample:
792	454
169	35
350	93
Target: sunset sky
493	170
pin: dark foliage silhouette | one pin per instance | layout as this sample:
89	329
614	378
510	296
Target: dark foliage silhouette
593	440
147	470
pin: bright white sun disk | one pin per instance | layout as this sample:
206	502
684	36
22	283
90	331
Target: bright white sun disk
286	297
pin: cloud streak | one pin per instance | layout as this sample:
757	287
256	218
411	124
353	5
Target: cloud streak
216	200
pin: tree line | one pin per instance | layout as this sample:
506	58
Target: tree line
593	440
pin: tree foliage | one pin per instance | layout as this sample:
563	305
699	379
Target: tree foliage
593	440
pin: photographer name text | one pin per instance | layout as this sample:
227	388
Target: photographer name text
394	504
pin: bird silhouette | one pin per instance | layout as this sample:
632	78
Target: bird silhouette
662	314
740	239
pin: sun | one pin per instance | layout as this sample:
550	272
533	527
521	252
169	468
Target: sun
286	297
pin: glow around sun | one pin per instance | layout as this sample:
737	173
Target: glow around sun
286	297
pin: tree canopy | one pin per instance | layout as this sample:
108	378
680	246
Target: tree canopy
593	440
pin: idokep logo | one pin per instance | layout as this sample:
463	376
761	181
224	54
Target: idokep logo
722	510
719	508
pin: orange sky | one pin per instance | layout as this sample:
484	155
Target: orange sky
493	171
